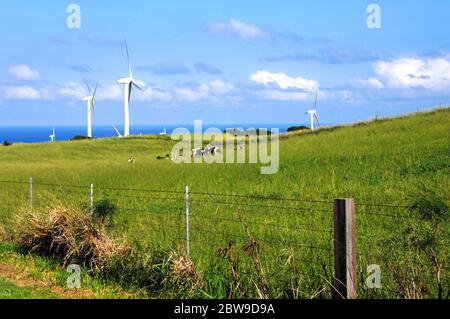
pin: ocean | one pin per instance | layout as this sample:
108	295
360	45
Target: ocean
39	134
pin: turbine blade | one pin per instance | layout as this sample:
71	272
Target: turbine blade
117	131
87	85
93	110
317	119
128	58
129	92
95	90
139	84
315	103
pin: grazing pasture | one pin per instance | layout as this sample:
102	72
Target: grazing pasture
385	165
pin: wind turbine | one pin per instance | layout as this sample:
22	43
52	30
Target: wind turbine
128	83
163	132
313	115
90	101
53	136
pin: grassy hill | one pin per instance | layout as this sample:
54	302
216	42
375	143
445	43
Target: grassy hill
366	161
389	162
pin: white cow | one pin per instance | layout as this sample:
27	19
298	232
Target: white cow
212	150
205	151
197	152
215	150
208	150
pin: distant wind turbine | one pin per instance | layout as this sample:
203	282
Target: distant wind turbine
90	101
313	115
53	136
128	83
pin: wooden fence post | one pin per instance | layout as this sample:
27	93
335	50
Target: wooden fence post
344	249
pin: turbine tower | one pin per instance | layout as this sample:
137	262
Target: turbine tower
53	136
90	102
128	83
313	115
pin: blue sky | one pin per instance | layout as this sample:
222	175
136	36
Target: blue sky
222	62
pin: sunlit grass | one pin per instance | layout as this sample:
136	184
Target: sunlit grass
381	162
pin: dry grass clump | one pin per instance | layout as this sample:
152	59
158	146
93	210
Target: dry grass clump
181	266
182	274
68	235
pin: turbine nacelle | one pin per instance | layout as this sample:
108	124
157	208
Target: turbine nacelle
125	80
128	83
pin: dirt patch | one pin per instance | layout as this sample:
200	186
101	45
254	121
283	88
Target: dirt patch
21	279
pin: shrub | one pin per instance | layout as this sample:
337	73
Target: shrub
161	272
103	210
239	132
297	128
79	137
6	143
69	236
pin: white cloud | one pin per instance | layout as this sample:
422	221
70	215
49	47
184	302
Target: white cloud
284	81
76	91
153	94
21	93
406	73
24	72
370	83
111	92
191	95
343	95
205	91
237	28
278	95
220	87
73	90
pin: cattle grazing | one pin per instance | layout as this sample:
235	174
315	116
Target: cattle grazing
215	150
163	157
197	152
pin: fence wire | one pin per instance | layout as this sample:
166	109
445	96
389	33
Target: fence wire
304	227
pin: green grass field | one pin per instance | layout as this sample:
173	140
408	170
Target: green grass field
387	162
11	291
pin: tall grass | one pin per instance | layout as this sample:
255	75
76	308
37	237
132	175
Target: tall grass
381	162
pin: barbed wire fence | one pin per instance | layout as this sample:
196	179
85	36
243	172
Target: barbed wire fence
334	245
